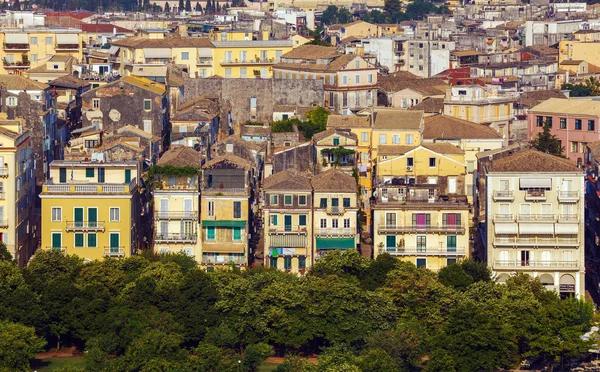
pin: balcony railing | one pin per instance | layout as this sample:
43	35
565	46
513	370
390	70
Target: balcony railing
57	249
15	47
85	225
16	65
3	172
536	217
3	223
2	195
114	251
224	260
287	229
536	241
525	264
334	231
568	217
504	217
175	215
204	62
225	62
568	196
99	188
424	251
175	237
422	228
335	210
66	47
535	195
504	195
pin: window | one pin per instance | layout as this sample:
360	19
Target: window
344	99
409	162
382	139
56	240
34	57
323	223
591	125
211	209
301	199
323	203
421	243
92	240
370	78
237	209
549	121
357	63
49	40
273	262
78	240
421	220
421	262
228	72
287	263
450	261
210	233
114	215
148	126
335	223
147	105
331	79
237	234
185	56
287	200
395	139
89	172
96	103
357	79
346	223
563	123
274	220
274	199
364	136
451	220
577	124
390	241
56	214
574	146
409	139
335	202
301	262
302	220
243	72
539	121
187	251
344	80
11	101
432	180
346	202
420	68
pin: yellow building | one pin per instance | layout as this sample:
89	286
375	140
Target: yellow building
396	127
248	59
91	209
25	48
584	50
176	206
17	190
225	211
420	213
336	148
288	227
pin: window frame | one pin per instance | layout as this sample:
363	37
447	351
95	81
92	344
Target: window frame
59	209
96	103
82	236
147	105
302	197
110	214
285	203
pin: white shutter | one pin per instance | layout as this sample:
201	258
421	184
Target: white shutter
187	207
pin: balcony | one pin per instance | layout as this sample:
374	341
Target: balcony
56	249
534	264
335	232
256	61
64	47
287	229
535	195
3	172
15	47
85	226
568	218
536	242
424	251
337	210
114	251
499	217
175	238
224	260
174	215
2	195
504	195
536	218
568	196
459	229
91	188
204	62
16	65
3	223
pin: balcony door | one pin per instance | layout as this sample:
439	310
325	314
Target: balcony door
524	258
93	217
56	241
451	243
187	207
78	217
390	243
421	243
390	220
164	207
287	222
567	185
421	220
114	242
100	175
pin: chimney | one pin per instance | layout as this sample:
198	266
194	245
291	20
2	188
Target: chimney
114	30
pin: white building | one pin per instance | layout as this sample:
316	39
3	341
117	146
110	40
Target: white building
550	32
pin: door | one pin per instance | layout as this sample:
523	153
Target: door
524	258
451	243
62	174
566	185
127	176
187	207
504	185
56	241
546	258
421	243
78	217
390	220
164	208
93	217
546	209
567	257
114	242
390	243
164	229
287	222
101	175
503	258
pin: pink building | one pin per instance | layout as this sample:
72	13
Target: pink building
576	122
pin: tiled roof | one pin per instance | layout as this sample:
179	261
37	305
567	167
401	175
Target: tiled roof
431	86
334	180
230	159
312	52
443	148
249	145
172	42
533	161
18	82
8	133
337	64
389	118
289	179
344	133
442	126
69	81
430	105
255	130
284	108
180	156
346	121
572	62
535	97
595	150
104	28
570	106
384	150
144	83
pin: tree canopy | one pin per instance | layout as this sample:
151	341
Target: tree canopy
547	142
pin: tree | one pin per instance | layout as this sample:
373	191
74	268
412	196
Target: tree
255	355
547	142
316	34
593	86
344	16
330	15
374	16
318	116
188	5
454	276
18	344
4	253
198	7
391	9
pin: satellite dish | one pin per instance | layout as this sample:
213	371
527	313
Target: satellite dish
375	193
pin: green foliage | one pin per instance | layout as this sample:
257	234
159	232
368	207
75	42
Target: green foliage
255	355
318	116
317	38
18	344
455	276
590	87
547	142
317	122
333	15
374	16
172	171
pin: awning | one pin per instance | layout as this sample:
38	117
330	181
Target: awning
567	283
222	247
113	50
335	243
288	241
567	228
204	52
64	39
223	223
157	53
536	228
16	39
505	228
535	183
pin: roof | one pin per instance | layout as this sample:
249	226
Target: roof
570	106
334	180
255	130
430	105
180	156
230	159
104	28
397	119
533	161
8	133
535	97
572	62
443	148
284	108
339	63
289	179
18	82
384	150
69	82
440	148
249	145
442	126
466	53
595	150
322	135
346	121
144	83
74	14
312	52
172	42
397	82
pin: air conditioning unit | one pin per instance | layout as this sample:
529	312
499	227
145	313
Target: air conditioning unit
409	168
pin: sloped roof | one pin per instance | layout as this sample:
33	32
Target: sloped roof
442	126
104	28
230	159
384	150
533	161
289	179
397	119
170	42
69	81
255	130
430	105
312	52
569	106
443	148
397	82
334	180
180	156
144	83
535	97
18	82
347	121
344	133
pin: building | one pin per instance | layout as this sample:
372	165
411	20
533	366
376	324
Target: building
574	122
550	32
579	50
92	209
176	203
225	211
288	227
336	148
419	208
425	57
350	82
335	212
534	208
57	66
403	90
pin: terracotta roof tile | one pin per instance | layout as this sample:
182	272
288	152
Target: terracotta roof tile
442	126
289	179
172	42
344	121
312	52
430	105
180	156
389	118
533	161
397	82
18	82
231	159
334	180
344	133
444	148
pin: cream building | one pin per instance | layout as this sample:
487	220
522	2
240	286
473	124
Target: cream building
534	219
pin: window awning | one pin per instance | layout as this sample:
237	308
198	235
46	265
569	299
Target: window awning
335	243
534	228
16	39
288	241
535	183
113	50
505	228
204	52
566	228
67	39
223	223
223	248
157	53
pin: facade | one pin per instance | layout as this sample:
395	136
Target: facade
336	148
250	59
534	219
92	209
425	57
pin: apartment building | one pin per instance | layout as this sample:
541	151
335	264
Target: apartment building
248	59
23	48
288	226
92	209
575	122
396	127
580	50
18	230
176	202
424	57
225	213
350	81
420	211
336	148
534	219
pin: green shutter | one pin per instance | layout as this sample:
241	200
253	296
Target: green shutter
287	222
79	240
114	240
89	172
92	240
127	175
237	233
275	220
62	175
302	220
78	216
56	240
390	241
210	233
335	243
92	216
302	262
